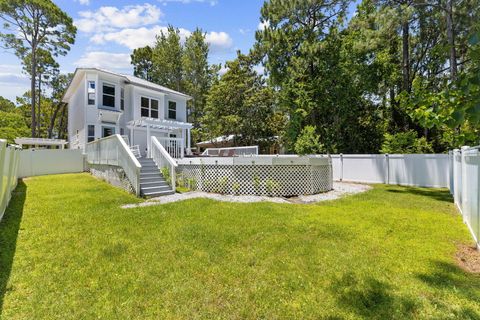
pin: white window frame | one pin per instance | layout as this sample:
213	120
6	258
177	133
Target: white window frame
122	98
91	91
168	110
88	132
150	99
114	95
114	129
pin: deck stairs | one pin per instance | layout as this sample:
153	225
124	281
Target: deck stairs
152	182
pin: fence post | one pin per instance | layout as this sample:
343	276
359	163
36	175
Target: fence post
388	168
341	166
464	182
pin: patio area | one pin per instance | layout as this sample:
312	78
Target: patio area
390	252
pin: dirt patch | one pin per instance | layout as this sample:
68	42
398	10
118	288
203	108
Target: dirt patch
468	258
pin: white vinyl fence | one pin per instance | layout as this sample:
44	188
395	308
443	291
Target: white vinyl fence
423	170
9	158
50	161
465	187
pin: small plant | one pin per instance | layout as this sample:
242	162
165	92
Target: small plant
192	183
166	175
256	184
222	184
236	188
272	187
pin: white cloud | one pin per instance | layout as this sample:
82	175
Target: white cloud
244	31
262	25
105	60
13	82
133	38
109	18
223	70
211	2
259	69
84	2
219	40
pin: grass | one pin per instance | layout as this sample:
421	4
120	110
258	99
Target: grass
68	252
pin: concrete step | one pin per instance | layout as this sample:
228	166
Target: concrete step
153	183
158	194
151	178
155	189
150	174
149	170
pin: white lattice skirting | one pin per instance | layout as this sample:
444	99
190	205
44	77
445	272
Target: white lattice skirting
285	178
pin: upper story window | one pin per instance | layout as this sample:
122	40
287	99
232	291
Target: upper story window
108	95
122	99
91	93
172	110
149	108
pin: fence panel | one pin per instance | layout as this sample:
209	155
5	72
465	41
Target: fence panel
424	170
466	183
42	162
9	159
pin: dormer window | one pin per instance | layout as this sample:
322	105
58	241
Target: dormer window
108	95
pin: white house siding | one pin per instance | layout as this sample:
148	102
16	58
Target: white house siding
76	116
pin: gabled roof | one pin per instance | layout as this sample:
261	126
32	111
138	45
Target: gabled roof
129	79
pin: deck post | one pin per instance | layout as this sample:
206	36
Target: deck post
148	140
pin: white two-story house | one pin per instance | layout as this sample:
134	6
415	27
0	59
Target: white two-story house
102	103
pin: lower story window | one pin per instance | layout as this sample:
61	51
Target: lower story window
91	133
108	131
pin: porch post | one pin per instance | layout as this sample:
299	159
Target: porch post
131	137
189	143
148	140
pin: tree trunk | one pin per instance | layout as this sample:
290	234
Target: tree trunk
62	125
52	120
39	114
406	55
451	40
33	82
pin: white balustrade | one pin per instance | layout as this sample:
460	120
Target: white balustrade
163	159
114	151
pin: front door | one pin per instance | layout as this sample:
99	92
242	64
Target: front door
108	131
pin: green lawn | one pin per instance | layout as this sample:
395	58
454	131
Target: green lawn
67	251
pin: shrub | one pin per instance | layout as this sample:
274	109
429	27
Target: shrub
308	142
405	142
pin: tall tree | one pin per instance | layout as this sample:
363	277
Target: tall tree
167	59
142	61
197	73
33	25
240	104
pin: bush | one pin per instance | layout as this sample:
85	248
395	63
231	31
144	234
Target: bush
405	142
308	142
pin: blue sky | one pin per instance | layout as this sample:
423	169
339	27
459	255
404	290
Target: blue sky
109	30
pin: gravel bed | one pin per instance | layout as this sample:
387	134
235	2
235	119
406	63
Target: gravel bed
340	189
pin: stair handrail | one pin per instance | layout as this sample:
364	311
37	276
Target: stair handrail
113	150
163	159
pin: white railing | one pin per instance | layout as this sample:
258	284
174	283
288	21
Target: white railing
9	159
114	151
174	146
465	187
231	151
163	160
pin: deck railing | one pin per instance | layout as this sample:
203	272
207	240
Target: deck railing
9	160
231	151
163	159
174	146
114	151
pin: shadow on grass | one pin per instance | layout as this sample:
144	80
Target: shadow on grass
9	227
370	298
436	194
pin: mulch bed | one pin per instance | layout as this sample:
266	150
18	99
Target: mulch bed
468	258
